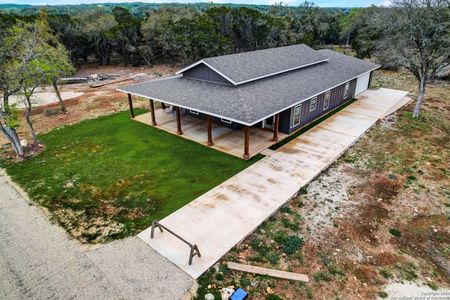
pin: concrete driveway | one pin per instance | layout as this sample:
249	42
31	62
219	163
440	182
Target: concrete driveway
39	261
219	219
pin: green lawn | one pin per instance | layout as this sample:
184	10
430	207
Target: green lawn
110	177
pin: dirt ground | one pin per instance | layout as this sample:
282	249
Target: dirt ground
94	102
377	217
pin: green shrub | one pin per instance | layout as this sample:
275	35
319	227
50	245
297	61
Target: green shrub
395	232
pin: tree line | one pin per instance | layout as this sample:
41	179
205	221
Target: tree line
182	34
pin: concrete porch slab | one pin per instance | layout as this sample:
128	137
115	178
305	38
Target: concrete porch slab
219	219
225	139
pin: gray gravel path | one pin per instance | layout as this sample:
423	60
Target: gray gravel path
39	261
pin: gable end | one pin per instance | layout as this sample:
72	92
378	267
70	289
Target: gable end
204	73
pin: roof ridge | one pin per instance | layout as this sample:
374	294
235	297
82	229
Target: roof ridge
240	68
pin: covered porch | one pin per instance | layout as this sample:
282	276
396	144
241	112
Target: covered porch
243	143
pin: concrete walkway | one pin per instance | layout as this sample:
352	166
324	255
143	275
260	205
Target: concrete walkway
38	261
219	219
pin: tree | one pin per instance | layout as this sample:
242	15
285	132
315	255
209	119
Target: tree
128	35
17	50
361	28
28	58
54	58
97	26
416	36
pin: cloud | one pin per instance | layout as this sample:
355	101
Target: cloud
386	3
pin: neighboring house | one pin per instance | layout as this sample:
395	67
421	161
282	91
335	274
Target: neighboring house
281	89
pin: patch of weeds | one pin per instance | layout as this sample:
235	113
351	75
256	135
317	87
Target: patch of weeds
335	270
351	158
410	179
303	191
408	271
292	244
286	209
259	246
433	286
273	258
203	282
299	203
280	237
289	224
383	294
256	257
218	276
395	232
223	268
323	276
309	293
244	282
273	297
385	274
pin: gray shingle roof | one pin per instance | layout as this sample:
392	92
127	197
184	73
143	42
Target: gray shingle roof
249	103
244	67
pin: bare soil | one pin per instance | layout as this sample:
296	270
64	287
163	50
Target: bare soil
94	102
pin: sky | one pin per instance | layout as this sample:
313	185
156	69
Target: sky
323	3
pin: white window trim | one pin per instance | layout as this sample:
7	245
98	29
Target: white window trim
315	104
225	121
324	100
193	112
299	114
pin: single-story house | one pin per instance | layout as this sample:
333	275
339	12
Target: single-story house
278	90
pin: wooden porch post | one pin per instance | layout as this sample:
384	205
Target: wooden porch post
275	128
152	110
246	142
179	132
130	104
210	141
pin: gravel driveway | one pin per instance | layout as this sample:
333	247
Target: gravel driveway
39	261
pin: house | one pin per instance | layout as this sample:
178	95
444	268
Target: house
276	91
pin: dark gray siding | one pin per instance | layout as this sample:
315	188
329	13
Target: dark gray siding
285	125
307	116
215	120
203	72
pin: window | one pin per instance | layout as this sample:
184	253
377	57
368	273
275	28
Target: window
225	121
313	104
326	100
296	115
346	90
193	112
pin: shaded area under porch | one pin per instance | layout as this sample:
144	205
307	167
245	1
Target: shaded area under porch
224	139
